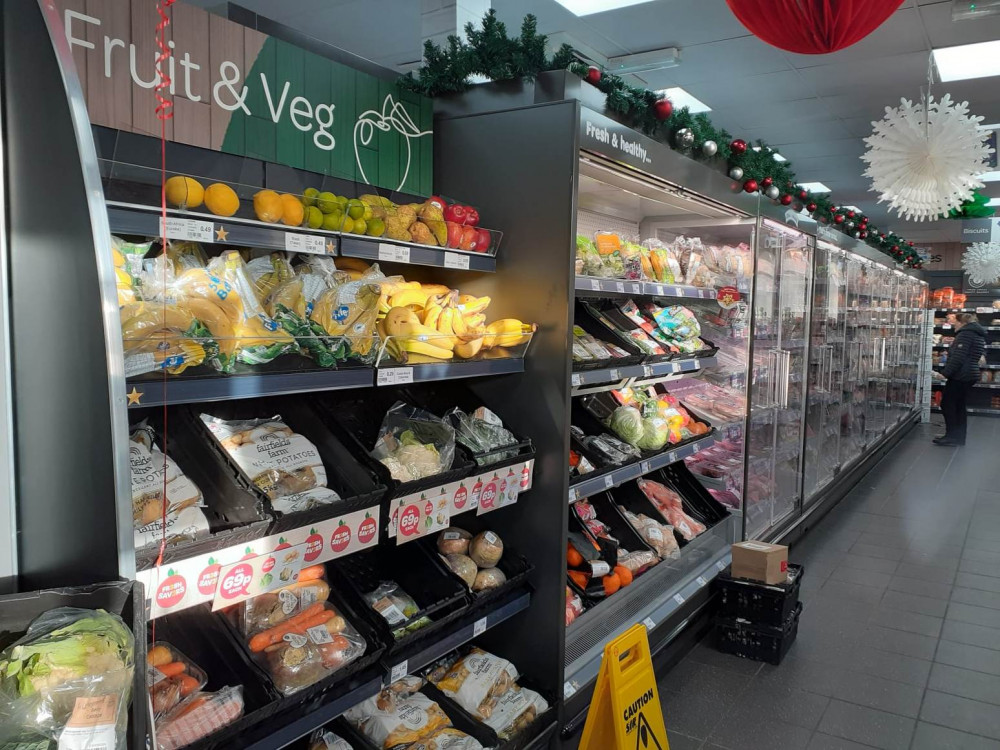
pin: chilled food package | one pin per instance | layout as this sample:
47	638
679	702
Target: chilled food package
397	718
307	647
397	608
588	260
281	463
324	739
657	535
609	248
70	663
161	491
447	738
483	433
197	716
631	260
272	608
671	508
574	606
477	681
171	677
413	443
663	260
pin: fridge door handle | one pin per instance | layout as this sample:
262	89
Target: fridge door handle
786	358
829	369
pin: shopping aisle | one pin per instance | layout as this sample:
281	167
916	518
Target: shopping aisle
899	642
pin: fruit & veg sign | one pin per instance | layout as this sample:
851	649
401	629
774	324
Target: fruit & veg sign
226	574
242	92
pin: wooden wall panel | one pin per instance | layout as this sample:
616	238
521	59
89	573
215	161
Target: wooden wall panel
109	99
227	44
192	122
144	20
190	30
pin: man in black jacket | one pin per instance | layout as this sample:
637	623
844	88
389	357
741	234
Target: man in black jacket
961	372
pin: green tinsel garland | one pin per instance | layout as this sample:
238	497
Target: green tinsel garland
489	52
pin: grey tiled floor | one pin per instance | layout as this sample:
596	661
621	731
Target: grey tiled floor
899	642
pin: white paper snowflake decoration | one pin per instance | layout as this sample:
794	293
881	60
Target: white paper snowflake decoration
924	160
982	262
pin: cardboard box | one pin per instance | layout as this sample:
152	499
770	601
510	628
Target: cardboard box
758	561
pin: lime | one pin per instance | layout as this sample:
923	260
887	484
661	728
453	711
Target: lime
376	228
314	217
326	202
360	226
355	209
309	196
342	200
368	212
332	221
348	224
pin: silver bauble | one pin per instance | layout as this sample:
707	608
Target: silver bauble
709	148
736	173
849	225
684	138
772	192
857	235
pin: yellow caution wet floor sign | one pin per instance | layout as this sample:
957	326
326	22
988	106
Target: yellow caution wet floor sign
625	713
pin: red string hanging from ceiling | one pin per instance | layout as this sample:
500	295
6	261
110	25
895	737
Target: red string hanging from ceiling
812	27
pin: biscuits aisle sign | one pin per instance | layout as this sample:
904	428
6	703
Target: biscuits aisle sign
625	713
242	92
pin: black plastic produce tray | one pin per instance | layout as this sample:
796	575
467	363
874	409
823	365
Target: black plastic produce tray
633	499
616	326
357	419
757	642
698	501
356	483
585	317
608	513
760	603
123	598
441	596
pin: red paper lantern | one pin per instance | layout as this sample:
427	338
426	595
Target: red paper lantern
812	27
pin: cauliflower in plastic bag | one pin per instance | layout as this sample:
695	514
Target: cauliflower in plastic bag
413	443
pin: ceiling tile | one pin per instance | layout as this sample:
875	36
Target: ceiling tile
900	34
944	32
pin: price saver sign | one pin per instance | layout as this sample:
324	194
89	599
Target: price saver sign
257	575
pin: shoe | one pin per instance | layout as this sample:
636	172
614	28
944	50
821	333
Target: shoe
938	440
948	443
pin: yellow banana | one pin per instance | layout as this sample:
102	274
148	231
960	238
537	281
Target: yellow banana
408	297
431	315
475	321
444	326
469	349
471	305
437	289
426	348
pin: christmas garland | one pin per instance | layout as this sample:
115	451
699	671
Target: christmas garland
490	53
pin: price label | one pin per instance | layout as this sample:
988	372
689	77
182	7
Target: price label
644	467
568	689
647	371
576	379
720	565
608	482
675	368
671	458
636	288
257	575
648	622
680	291
659	290
614	375
679	599
394	375
393	253
695	448
479	628
620	286
595	285
701	581
398	672
456	260
296	242
189	229
573	494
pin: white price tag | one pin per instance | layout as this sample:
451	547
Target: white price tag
573	494
678	598
648	622
456	260
647	371
675	368
695	448
576	379
671	458
609	482
644	467
296	242
636	288
680	291
394	375
568	689
479	628
398	672
659	290
595	285
614	375
393	253
189	229
701	581
720	565
620	286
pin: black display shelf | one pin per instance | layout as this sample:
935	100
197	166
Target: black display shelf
131	218
189	390
615	477
595	286
392	374
378	249
657	369
423	653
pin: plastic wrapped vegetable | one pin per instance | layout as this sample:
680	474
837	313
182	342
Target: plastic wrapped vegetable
291	304
199	715
609	248
588	260
655	433
447	738
626	423
394	719
483	433
397	608
170	677
70	663
632	260
270	609
413	443
324	739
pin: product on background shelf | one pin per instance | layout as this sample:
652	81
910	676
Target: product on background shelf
657	535
668	502
663	262
396	607
398	716
68	654
413	443
483	433
172	677
645	418
574	606
588	348
197	716
324	739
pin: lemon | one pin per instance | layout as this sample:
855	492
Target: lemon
376	228
326	202
267	206
314	217
360	226
293	213
332	221
355	209
184	192
221	199
348	224
368	213
309	196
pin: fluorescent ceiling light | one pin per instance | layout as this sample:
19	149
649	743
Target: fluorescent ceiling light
993	202
814	187
776	157
681	98
642	62
586	7
968	61
991	126
989	176
853	208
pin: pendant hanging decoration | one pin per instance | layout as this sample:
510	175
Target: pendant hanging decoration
923	157
982	262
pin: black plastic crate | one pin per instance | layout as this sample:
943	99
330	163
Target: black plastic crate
608	513
585	316
357	419
610	321
352	479
760	603
441	596
698	501
590	412
757	642
123	598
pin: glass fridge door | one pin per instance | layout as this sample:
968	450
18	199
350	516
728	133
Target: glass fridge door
880	283
855	385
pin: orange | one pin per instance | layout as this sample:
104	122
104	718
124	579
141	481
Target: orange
293	213
221	199
267	205
184	192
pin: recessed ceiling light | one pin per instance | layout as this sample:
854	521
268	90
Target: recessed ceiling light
968	61
814	187
586	7
776	157
681	98
993	202
989	176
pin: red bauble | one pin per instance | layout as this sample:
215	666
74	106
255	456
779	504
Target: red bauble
663	109
850	214
863	234
786	200
593	75
804	195
766	182
751	186
895	249
838	219
739	146
910	243
811	207
881	236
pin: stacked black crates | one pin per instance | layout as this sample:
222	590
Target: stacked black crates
757	620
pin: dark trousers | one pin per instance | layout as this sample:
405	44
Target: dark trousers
953	402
